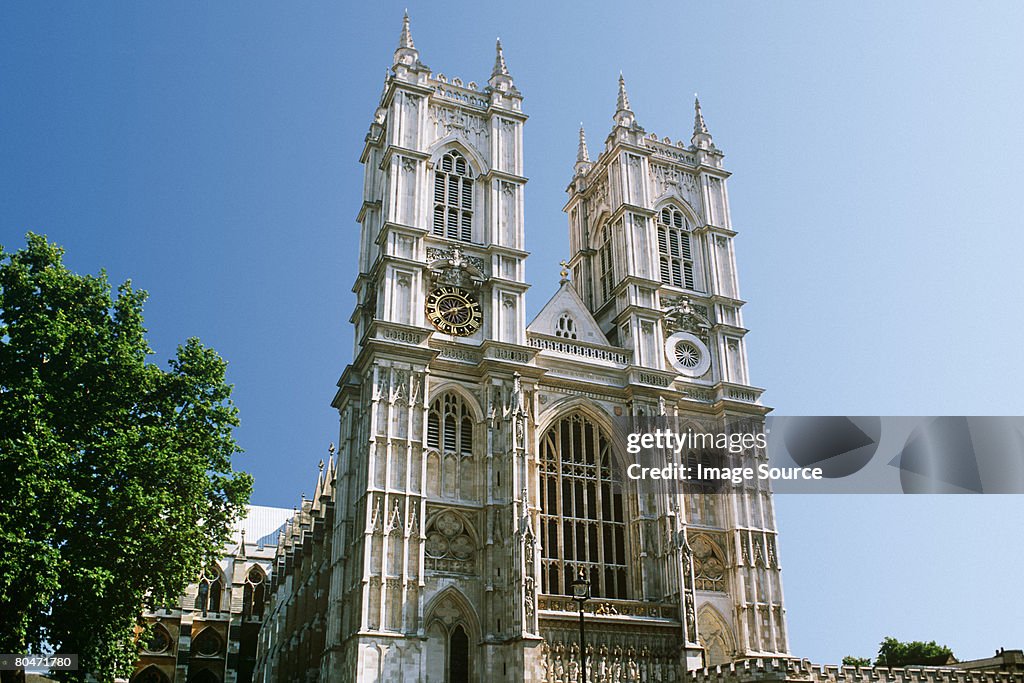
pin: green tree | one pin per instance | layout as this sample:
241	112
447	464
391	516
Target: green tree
895	653
850	660
115	475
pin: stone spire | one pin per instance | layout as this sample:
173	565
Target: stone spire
500	78
581	152
405	40
406	52
622	104
623	114
582	155
701	136
500	68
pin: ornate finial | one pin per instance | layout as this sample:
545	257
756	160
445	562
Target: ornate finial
581	152
321	465
701	135
405	40
330	449
500	68
623	101
698	117
565	272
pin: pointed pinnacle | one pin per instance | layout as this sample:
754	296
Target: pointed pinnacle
405	40
699	127
623	101
581	153
500	68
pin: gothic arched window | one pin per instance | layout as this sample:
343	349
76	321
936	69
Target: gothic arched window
675	255
207	643
451	470
254	593
583	523
159	641
605	266
453	198
210	589
565	327
450	425
150	674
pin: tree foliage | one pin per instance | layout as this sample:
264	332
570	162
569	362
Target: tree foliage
895	653
850	660
115	474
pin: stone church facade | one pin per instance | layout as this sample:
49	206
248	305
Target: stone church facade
474	477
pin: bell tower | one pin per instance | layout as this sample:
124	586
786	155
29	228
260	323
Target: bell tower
432	569
443	202
652	257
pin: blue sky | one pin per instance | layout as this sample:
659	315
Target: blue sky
209	152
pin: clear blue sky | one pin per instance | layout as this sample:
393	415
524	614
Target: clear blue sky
209	151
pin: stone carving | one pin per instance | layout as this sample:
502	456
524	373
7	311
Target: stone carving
449	546
682	316
452	266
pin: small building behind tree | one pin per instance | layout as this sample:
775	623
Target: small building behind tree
211	634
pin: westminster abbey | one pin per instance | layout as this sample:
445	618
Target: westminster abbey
474	479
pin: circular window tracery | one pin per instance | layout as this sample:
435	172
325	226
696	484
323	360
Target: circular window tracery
687	354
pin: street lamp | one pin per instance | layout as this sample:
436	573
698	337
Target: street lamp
581	593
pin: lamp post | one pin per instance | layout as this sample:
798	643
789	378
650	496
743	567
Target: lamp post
581	593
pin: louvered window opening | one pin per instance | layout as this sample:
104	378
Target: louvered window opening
450	426
453	198
676	258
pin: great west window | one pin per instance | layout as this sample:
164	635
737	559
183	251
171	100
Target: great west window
583	523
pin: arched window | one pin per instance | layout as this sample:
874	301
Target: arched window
210	589
583	523
254	593
159	640
204	676
565	327
453	198
605	265
150	674
450	425
207	643
674	250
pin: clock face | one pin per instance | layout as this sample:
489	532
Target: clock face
454	311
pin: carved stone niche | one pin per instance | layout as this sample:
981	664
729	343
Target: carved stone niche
451	266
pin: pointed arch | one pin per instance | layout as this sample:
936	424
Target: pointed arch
462	145
715	636
212	588
151	674
449	608
254	592
465	394
709	563
675	199
160	641
207	643
677	252
571	404
583	505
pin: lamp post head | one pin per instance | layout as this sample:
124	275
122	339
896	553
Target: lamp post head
581	588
